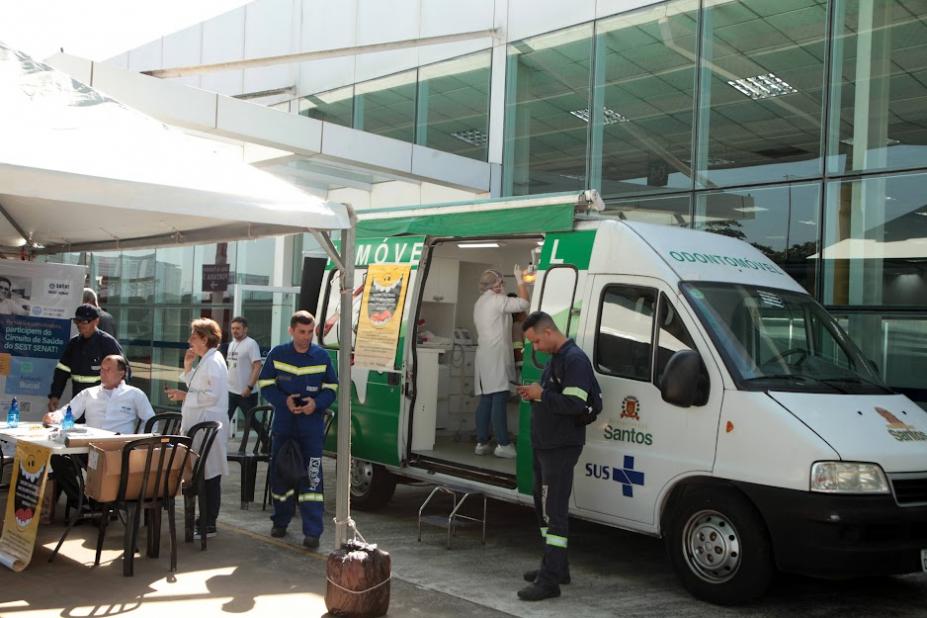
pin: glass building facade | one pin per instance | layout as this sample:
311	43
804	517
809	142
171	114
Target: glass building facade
795	125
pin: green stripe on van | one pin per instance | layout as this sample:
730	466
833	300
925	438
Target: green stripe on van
571	248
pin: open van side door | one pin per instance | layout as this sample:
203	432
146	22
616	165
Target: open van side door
385	268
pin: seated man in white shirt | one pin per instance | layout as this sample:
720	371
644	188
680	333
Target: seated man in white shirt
112	405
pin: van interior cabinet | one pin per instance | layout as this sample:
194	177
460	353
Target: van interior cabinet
443	276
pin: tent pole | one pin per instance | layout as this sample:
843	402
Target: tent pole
343	467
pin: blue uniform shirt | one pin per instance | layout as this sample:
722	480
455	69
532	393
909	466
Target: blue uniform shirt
287	372
567	381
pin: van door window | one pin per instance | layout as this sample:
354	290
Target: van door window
624	337
672	336
557	294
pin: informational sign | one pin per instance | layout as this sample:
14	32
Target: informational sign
381	316
37	302
24	505
216	277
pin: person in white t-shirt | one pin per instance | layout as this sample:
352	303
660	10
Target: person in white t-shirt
244	360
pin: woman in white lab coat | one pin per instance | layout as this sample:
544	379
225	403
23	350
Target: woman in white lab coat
206	399
495	360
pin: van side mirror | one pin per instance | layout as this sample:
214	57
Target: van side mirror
684	381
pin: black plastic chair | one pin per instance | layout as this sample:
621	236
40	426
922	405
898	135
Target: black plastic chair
164	423
202	435
261	417
161	455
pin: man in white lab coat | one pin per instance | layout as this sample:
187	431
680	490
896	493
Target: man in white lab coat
495	360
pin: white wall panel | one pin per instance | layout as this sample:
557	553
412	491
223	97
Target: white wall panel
530	17
223	40
327	24
379	21
604	8
366	148
322	75
444	17
359	200
395	193
260	124
384	63
184	48
270	30
121	61
146	57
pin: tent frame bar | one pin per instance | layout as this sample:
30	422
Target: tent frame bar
27	238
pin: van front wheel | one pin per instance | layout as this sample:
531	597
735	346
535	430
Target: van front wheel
719	547
372	485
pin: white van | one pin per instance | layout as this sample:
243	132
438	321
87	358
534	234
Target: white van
741	424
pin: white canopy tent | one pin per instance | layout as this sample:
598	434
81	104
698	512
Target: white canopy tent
80	171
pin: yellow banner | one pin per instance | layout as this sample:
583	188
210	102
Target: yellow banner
381	316
23	504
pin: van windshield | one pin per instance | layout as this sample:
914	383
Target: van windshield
779	340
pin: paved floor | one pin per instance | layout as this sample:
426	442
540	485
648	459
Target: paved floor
245	570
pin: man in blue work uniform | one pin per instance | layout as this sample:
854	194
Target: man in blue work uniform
299	380
559	405
83	356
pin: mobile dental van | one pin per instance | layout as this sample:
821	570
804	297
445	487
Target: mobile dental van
740	422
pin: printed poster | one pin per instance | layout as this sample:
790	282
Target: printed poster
24	505
381	316
37	302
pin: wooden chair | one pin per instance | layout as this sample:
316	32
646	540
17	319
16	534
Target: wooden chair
162	454
202	435
262	418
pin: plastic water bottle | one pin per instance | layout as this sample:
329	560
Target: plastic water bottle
68	421
12	416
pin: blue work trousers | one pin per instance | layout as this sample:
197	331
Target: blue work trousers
309	494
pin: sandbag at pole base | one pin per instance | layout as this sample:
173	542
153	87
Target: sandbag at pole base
358	577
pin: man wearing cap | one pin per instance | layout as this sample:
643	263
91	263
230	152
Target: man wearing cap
82	356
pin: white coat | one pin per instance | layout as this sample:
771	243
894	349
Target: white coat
494	366
208	400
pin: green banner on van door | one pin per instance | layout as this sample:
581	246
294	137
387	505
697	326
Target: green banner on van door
572	248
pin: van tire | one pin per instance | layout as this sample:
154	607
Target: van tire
372	485
719	546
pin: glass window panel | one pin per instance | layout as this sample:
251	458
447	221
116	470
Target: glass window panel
557	292
255	262
137	276
335	106
175	275
669	210
875	242
386	106
645	80
105	273
547	111
453	105
782	222
761	91
171	330
879	95
624	341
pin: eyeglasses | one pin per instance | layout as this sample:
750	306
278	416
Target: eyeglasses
79	321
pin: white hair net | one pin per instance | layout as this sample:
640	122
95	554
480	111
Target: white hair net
489	278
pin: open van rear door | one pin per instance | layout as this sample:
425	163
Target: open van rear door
385	285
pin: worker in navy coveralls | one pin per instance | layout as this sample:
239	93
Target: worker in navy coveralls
299	380
558	435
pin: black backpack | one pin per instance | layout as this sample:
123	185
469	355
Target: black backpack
288	464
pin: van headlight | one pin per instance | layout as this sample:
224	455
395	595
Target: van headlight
843	477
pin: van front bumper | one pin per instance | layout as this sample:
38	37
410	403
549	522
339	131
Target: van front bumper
828	535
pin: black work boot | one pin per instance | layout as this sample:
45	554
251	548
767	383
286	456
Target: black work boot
532	576
538	592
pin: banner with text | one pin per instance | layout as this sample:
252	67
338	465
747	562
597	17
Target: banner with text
37	302
381	316
23	505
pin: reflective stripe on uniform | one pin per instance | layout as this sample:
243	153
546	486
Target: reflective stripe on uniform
333	387
282	497
63	367
556	541
263	383
311	496
576	391
543	533
85	379
299	371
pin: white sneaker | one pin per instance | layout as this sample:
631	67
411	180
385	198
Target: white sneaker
506	452
482	448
